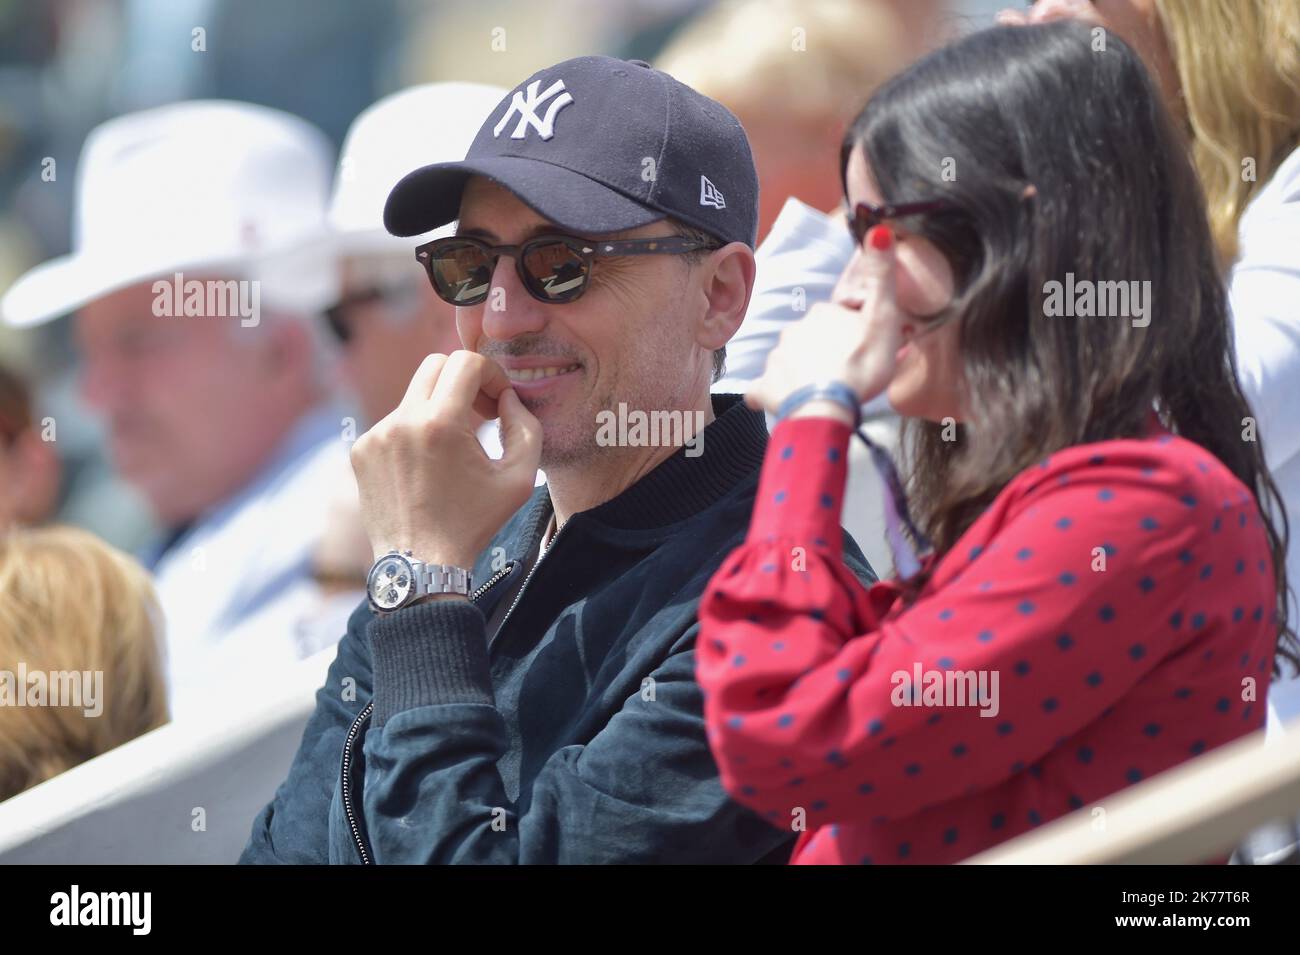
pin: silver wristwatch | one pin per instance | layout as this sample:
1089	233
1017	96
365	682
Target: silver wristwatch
397	579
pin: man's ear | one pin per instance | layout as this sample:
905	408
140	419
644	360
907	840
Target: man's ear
726	283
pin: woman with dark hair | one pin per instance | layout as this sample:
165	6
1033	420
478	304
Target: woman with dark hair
1090	585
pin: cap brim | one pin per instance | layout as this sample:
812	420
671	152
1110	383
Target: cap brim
430	196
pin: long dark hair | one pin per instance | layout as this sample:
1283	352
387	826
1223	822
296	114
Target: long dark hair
1058	157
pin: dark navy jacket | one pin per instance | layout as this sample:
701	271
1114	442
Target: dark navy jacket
577	735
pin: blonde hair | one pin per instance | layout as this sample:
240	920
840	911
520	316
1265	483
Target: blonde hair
791	58
1238	63
70	603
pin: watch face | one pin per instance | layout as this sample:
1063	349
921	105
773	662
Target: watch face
390	582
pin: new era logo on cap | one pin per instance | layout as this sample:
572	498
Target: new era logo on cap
709	194
526	107
573	142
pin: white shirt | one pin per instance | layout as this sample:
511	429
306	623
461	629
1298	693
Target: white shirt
235	587
1264	294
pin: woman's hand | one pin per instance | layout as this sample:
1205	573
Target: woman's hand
854	338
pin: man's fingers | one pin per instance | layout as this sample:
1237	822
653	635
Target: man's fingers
521	433
469	380
492	381
485	407
424	379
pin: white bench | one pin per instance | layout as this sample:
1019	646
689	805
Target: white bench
1196	811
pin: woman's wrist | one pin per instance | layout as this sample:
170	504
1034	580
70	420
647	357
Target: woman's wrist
825	397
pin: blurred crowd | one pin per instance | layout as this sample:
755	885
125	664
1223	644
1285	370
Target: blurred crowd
203	310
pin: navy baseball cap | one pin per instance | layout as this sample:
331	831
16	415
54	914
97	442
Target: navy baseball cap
598	145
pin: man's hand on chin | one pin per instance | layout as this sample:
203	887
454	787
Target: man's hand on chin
425	483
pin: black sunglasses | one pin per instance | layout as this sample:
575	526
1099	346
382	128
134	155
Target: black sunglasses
553	268
866	216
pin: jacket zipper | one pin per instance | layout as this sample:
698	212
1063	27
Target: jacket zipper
353	730
524	586
492	581
346	793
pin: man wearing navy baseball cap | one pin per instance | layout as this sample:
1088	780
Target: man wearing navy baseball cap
519	686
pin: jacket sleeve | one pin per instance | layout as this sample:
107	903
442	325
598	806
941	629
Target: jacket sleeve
812	702
644	789
294	827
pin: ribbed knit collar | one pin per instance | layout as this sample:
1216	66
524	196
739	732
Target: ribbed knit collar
732	445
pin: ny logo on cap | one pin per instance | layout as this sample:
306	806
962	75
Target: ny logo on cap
709	194
527	110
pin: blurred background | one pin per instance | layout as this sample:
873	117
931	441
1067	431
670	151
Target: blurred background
68	65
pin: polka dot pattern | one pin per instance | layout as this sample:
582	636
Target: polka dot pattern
1099	569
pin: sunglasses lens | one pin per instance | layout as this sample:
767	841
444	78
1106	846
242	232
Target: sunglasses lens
556	271
461	273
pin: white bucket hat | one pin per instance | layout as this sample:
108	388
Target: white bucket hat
201	186
435	122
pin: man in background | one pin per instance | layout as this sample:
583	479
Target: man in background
196	308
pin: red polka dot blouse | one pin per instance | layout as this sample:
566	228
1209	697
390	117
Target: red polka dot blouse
1110	615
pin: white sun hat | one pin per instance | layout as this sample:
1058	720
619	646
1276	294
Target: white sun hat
200	186
434	122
